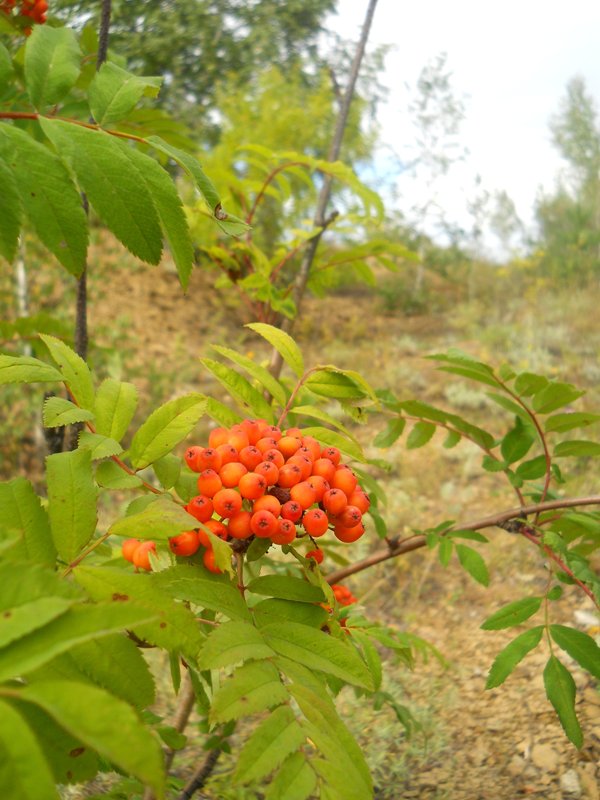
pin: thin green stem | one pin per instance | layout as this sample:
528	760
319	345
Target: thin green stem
294	393
92	126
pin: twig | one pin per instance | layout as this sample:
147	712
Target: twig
402	546
202	775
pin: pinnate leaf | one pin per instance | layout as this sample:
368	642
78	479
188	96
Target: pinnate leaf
253	687
114	407
283	343
232	642
473	563
114	92
105	723
560	690
274	739
165	428
58	411
72	498
52	64
580	646
160	519
512	654
296	780
11	210
21	511
75	371
512	614
287	588
204	589
24	369
240	389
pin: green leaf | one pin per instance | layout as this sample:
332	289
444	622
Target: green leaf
114	407
52	65
232	642
72	498
445	549
253	687
286	587
114	92
221	413
451	440
25	772
6	67
167	469
113	186
513	654
473	563
528	383
331	737
103	722
75	371
175	628
49	197
317	650
169	208
317	413
513	614
58	411
568	421
221	551
67	757
532	469
554	396
204	589
296	780
77	624
579	646
331	382
420	435
21	511
240	389
517	442
111	476
277	610
283	343
270	744
491	464
560	690
576	447
508	405
98	446
11	209
22	582
165	428
26	617
393	430
258	372
23	369
160	519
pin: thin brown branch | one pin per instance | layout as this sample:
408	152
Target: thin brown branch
202	775
402	546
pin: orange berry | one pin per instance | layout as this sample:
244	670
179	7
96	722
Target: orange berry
288	445
304	463
307	452
227	502
209	458
291	510
315	522
275	456
351	516
273	431
360	499
253	429
317	554
217	437
286	533
200	507
209	483
253	485
264	524
266	443
335	501
344	479
348	535
228	454
295	432
250	456
325	468
141	558
239	525
304	494
128	548
231	473
185	544
310	443
267	503
209	562
216	527
319	484
269	472
238	439
332	453
289	475
191	458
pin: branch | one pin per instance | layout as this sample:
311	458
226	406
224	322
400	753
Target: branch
401	546
202	775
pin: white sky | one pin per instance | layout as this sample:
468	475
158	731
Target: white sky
511	60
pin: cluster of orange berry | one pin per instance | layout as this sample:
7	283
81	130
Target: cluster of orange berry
35	10
256	480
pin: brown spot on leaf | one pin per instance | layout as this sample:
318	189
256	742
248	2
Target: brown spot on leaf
77	751
7	614
163	625
120	597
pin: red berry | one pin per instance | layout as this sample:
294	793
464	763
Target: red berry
264	524
286	532
209	562
268	502
239	525
141	558
227	502
200	507
253	485
209	483
315	522
231	473
335	501
303	494
250	456
291	510
316	554
185	544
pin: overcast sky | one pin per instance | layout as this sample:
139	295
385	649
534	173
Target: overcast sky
510	60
